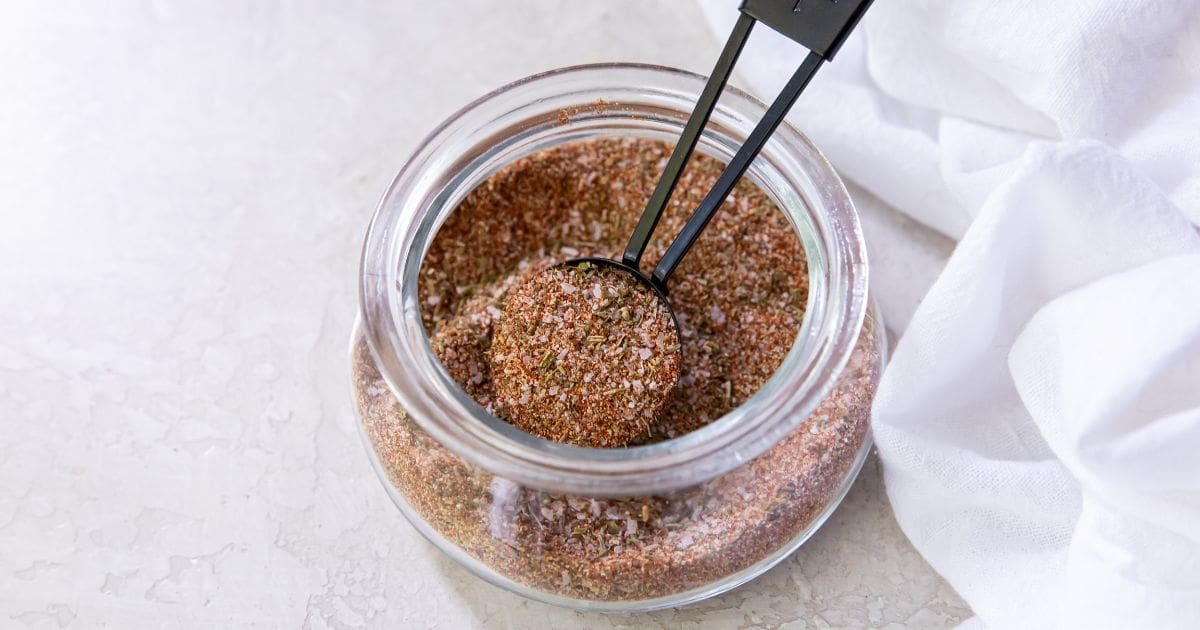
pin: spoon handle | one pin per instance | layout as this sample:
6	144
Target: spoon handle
687	141
819	25
735	169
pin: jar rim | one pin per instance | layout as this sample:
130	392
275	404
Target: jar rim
406	220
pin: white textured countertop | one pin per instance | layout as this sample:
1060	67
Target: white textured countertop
183	189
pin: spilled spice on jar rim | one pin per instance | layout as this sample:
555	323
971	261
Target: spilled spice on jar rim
584	354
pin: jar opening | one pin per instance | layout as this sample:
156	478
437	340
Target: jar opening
607	100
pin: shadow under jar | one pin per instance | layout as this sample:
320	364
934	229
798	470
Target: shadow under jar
686	514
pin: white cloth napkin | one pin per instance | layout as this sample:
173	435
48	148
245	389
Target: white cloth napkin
1039	423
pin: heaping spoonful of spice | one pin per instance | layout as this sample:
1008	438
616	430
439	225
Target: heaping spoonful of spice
587	352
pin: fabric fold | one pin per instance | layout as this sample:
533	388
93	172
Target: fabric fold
1037	419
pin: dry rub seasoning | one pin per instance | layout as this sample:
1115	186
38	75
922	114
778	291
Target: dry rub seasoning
583	354
739	298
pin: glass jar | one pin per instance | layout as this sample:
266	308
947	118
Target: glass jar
635	528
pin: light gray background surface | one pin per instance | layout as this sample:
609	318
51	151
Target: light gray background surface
183	191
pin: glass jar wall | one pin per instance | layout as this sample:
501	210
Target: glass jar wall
634	528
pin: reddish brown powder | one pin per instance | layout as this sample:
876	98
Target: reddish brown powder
739	298
584	354
739	295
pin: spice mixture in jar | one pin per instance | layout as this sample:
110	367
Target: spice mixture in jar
584	354
739	299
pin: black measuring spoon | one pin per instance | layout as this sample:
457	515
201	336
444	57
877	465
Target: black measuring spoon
819	25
